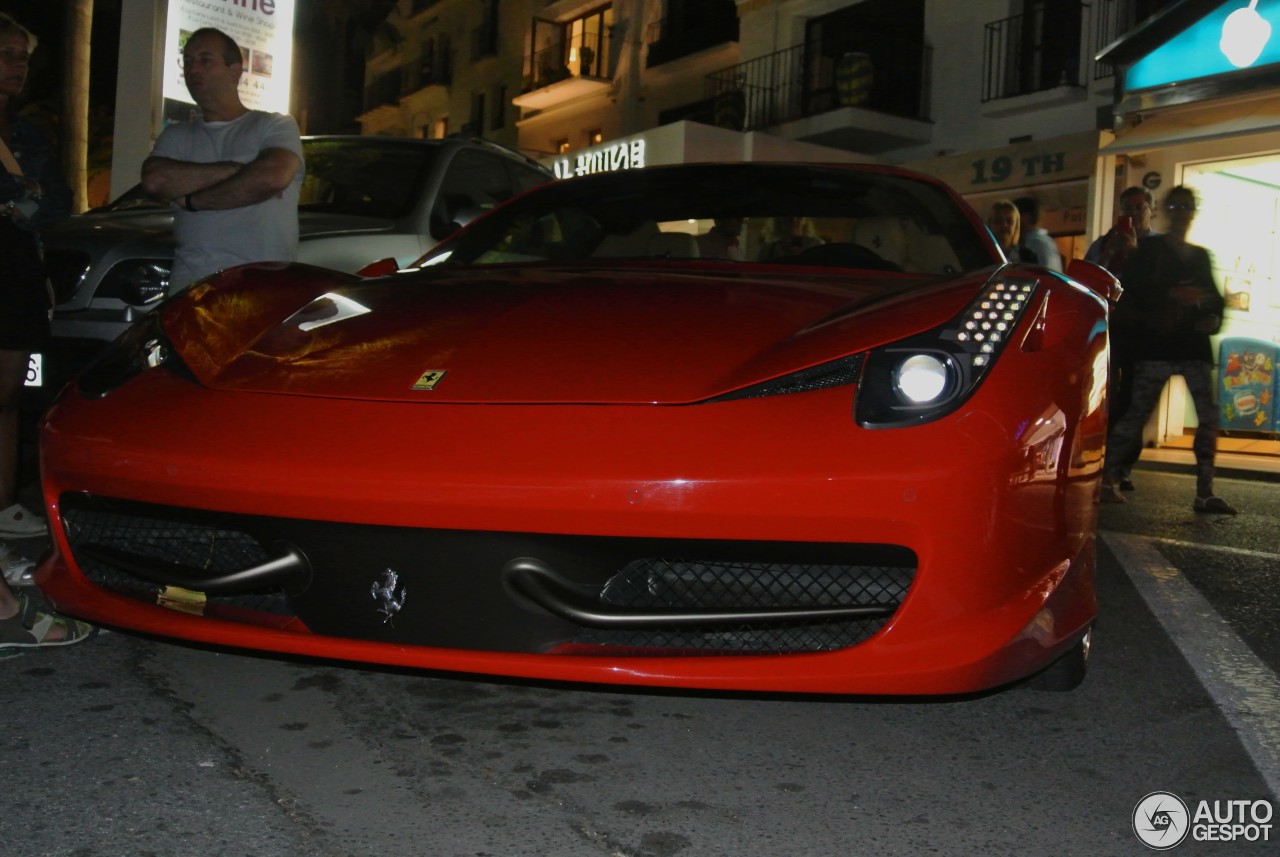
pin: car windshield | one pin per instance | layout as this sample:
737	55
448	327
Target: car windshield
777	214
361	176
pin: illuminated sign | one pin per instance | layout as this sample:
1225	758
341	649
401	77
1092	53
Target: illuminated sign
627	155
1236	35
262	28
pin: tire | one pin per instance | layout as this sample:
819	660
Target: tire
1068	671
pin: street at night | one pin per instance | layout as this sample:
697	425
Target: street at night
133	745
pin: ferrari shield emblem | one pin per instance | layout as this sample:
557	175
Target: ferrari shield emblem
429	379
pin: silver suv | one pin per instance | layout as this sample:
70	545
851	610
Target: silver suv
363	199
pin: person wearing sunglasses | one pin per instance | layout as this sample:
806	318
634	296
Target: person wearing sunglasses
1172	306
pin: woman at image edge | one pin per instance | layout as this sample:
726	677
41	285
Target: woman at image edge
32	193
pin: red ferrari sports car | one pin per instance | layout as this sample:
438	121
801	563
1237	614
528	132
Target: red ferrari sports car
737	426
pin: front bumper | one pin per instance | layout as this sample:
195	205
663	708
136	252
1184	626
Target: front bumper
986	535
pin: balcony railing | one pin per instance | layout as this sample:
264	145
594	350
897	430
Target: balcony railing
1043	48
872	71
667	42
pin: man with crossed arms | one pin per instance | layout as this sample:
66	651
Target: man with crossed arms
233	175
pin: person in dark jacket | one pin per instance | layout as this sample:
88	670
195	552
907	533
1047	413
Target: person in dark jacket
1171	306
32	193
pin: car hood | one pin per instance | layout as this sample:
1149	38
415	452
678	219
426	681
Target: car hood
111	228
156	225
617	335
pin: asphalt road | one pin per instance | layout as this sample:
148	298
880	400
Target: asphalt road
133	746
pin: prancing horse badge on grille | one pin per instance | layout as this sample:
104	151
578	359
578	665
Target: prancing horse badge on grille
389	601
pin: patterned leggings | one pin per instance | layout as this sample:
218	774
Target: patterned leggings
1124	440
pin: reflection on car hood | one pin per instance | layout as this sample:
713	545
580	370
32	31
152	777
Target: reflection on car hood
110	227
156	224
614	335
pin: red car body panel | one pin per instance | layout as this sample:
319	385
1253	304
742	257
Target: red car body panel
732	331
997	500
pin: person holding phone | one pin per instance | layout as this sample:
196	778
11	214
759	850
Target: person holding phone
1112	251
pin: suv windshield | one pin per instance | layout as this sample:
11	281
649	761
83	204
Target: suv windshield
364	177
779	214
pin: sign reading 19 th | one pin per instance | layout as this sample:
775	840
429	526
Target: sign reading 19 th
1002	168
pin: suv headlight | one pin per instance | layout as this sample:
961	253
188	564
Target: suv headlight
920	379
138	282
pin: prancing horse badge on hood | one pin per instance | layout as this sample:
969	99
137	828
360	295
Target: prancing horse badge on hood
429	379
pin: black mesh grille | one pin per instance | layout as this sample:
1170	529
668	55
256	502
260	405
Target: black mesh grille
682	585
741	586
459	598
194	545
66	270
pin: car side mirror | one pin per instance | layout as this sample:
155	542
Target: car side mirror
1096	278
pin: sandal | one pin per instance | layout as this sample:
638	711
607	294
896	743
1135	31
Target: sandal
30	627
18	570
1215	505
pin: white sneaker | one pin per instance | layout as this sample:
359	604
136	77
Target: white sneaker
18	521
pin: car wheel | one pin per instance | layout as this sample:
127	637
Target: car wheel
1068	671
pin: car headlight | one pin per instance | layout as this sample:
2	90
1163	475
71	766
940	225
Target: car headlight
143	346
928	376
137	282
923	378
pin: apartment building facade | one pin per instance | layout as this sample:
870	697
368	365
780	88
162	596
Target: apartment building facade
997	96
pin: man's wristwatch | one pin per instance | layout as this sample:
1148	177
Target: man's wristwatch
186	203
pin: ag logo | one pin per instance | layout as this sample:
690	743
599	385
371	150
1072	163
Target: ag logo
1161	820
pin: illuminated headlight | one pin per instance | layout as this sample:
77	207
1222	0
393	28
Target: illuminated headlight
921	378
138	282
928	376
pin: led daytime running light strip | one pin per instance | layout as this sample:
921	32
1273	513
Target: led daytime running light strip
990	320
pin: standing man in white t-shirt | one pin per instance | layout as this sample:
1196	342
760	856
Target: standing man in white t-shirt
233	175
